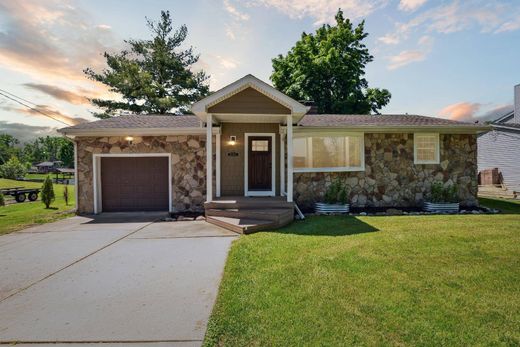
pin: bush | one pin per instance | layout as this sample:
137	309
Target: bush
336	193
2	200
441	194
47	192
66	194
13	169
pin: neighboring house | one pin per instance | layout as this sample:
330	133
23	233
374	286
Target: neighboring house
500	149
263	143
48	166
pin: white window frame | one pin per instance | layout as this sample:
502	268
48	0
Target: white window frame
437	149
271	192
340	168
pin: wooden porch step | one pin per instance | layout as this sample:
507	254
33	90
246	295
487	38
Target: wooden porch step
249	203
241	225
274	214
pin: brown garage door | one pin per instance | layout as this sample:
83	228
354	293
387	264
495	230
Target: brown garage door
134	184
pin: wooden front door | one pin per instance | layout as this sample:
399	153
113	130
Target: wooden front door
260	163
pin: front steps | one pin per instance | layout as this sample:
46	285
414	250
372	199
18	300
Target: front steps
496	191
246	215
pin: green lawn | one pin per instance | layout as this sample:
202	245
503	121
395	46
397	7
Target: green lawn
403	280
17	216
38	176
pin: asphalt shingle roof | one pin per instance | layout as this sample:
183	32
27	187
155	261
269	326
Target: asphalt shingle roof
140	121
339	120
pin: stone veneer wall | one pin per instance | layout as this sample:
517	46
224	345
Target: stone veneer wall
391	179
188	166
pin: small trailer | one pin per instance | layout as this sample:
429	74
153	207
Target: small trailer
21	193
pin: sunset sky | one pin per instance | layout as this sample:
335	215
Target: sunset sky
452	59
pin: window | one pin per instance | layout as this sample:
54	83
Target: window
426	148
316	153
260	146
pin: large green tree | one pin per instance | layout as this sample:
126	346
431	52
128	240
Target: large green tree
328	67
8	147
153	75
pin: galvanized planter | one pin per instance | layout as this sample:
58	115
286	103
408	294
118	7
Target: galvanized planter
324	208
446	207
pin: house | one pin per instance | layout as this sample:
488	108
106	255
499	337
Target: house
499	154
250	150
48	166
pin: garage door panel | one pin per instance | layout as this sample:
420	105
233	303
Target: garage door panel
134	183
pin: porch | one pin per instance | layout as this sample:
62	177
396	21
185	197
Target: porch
246	215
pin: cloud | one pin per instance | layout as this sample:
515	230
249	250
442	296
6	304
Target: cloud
227	63
410	5
50	40
458	16
51	113
322	11
496	112
462	111
230	33
233	11
407	57
26	133
103	27
62	94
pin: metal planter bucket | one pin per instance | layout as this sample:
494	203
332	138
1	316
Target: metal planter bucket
452	207
324	208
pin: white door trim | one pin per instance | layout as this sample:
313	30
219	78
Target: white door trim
96	181
271	192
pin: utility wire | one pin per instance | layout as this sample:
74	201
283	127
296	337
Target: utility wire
4	92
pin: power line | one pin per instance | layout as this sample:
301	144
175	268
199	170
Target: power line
2	92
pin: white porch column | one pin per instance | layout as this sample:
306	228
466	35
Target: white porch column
282	164
217	168
209	158
289	159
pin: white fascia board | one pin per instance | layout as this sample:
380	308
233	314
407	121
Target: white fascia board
137	131
200	107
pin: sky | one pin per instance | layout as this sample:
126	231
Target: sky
452	59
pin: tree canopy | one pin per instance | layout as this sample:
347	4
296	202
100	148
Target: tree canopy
153	75
328	67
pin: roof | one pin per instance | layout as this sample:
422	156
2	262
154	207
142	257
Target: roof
137	125
506	117
49	163
65	170
507	126
140	121
387	120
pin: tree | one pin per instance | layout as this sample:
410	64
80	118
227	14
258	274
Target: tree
49	148
66	152
154	75
7	147
13	169
328	67
47	192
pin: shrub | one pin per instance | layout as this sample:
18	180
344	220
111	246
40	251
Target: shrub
13	169
336	193
66	195
441	194
47	192
2	200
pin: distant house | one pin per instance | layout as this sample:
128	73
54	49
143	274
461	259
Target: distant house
48	166
499	154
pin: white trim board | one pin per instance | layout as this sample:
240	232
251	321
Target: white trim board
272	192
96	179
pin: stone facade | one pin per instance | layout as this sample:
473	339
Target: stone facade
391	179
188	157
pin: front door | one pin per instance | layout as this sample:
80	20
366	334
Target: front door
260	163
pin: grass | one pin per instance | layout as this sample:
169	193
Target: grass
38	176
403	280
17	216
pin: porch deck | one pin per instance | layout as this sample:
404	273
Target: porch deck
245	215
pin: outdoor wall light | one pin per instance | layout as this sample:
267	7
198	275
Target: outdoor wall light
232	140
130	139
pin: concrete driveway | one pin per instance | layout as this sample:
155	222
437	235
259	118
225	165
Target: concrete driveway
120	278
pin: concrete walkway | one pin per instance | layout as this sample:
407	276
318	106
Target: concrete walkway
116	278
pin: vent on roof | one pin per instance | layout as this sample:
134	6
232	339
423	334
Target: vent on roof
313	108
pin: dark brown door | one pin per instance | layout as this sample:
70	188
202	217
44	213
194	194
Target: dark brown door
134	184
260	163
